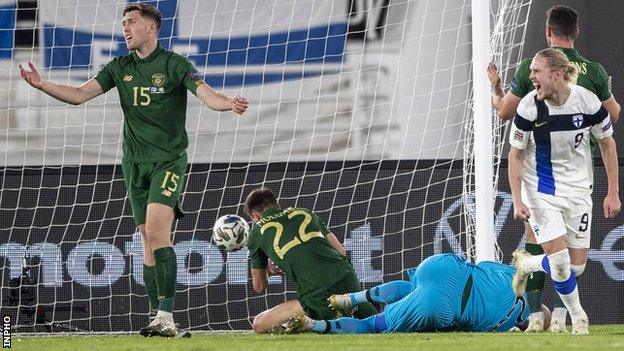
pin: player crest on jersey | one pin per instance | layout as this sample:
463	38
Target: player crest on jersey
158	79
577	120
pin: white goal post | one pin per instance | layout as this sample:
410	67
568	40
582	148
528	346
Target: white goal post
483	131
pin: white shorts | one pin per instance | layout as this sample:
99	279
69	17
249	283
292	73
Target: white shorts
553	216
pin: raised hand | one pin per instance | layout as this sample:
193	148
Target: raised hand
239	104
32	77
493	75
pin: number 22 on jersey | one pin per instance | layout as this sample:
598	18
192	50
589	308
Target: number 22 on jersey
304	235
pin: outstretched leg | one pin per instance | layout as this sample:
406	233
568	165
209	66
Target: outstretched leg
346	325
557	265
384	293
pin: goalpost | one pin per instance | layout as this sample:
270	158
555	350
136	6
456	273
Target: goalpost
483	131
361	111
503	46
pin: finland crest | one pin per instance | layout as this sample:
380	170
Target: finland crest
577	120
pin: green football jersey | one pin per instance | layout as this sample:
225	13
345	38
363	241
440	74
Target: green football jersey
152	92
295	240
591	76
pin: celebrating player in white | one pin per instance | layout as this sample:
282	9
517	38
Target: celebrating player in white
550	157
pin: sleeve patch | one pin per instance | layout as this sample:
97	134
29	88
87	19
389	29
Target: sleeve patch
194	75
514	84
519	136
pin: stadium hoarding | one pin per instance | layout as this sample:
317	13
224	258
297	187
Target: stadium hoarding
318	91
85	261
8	10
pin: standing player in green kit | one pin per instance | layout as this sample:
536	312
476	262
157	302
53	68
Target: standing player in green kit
299	243
561	30
152	84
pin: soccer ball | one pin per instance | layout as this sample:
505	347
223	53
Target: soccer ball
230	232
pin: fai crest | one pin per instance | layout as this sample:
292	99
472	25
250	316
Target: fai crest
577	120
158	79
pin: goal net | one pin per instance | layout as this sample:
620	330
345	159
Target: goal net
360	111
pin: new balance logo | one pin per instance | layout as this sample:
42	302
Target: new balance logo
167	193
127	78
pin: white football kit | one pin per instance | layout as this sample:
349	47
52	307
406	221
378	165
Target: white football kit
557	177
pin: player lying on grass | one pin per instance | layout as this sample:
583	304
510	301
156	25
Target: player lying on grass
297	241
445	293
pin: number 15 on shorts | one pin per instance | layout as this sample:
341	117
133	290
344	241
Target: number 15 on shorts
169	183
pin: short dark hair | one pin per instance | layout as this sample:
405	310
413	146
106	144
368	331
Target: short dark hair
563	21
147	11
259	200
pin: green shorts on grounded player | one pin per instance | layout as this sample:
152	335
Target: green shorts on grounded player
299	243
561	30
152	84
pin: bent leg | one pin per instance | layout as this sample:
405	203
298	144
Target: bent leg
277	315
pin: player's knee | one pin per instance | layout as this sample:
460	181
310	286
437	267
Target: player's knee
259	324
156	237
560	265
577	269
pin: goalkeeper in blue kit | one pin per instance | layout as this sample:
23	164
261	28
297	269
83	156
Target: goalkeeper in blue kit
445	293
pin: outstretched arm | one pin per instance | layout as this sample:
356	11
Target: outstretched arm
65	93
219	102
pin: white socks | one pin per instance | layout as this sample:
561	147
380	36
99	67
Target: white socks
166	315
534	264
565	284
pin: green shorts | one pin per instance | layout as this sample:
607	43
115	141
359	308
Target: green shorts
317	307
160	182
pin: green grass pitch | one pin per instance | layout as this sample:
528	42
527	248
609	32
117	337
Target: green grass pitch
602	337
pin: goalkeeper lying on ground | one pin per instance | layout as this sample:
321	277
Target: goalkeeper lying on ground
445	293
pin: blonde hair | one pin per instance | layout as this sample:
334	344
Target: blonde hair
557	60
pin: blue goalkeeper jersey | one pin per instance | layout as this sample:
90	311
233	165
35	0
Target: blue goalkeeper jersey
452	294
